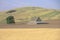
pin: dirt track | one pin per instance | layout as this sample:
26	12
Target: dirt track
51	24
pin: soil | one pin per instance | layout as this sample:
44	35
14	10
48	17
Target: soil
51	24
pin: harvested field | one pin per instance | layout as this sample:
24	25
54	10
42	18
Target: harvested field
30	34
18	31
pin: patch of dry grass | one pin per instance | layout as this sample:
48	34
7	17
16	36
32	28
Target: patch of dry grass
27	12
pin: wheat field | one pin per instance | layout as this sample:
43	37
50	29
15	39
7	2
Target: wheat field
30	34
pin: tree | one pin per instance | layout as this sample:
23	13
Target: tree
10	18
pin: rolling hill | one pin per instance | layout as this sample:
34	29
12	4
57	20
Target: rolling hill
25	14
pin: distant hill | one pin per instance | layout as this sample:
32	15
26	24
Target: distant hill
26	13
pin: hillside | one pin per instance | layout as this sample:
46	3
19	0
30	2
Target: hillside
25	14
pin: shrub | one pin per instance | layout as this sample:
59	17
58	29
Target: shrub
38	19
10	20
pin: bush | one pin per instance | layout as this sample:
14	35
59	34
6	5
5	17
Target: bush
10	20
38	19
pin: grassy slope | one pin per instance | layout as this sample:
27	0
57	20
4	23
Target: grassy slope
25	14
